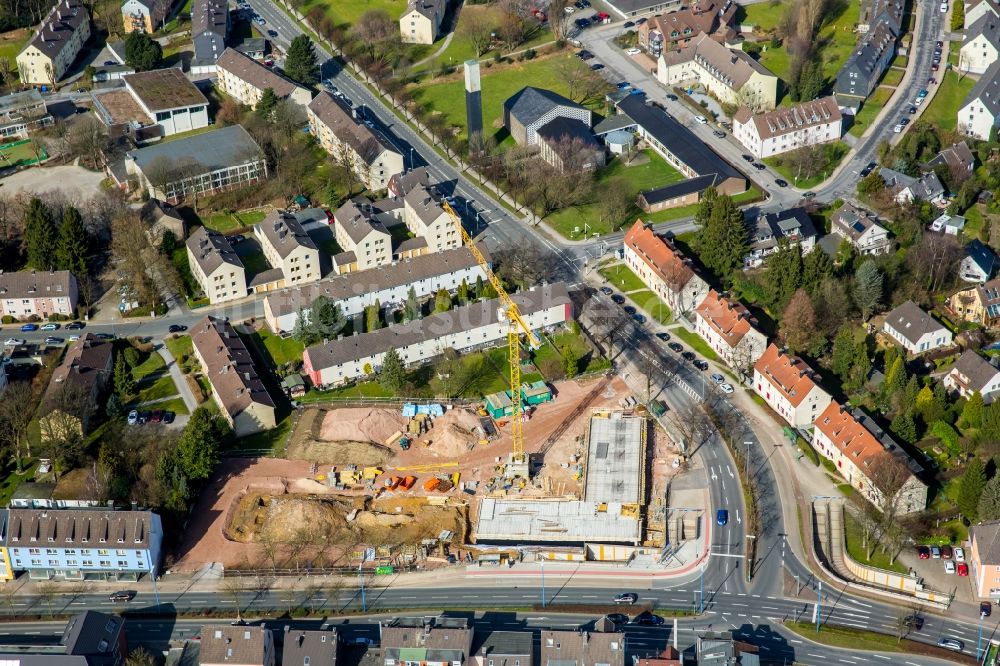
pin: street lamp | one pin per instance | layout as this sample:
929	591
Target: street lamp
543	582
746	462
748	565
361	582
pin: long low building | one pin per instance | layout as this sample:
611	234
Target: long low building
465	328
556	521
354	292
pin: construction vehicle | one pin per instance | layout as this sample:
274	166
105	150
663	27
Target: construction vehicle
517	463
404	443
431	483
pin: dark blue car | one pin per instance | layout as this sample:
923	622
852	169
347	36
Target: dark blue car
722	517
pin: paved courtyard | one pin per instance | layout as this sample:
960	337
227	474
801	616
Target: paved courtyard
75	182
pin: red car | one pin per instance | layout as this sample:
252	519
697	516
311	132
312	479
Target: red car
923	552
963	569
947	553
156	416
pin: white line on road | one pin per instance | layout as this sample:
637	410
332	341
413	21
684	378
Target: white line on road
881	656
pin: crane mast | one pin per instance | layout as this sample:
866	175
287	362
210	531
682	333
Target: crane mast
515	325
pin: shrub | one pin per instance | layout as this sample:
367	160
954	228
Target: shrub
8	319
58	317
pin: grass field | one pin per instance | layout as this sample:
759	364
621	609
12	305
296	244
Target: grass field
180	346
175	405
498	84
788	174
223	222
942	111
11	44
764	16
162	387
622	277
655	173
151	365
893	77
856	549
872	106
852	639
694	342
281	350
652	304
18	153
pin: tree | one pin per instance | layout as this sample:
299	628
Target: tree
798	322
168	243
268	102
463	292
957	16
139	657
972	413
392	375
411	311
326	318
72	249
570	361
871	184
868	288
142	52
843	354
477	28
200	445
16	413
817	267
300	61
904	427
442	301
124	381
723	242
989	502
783	274
114	407
970	489
934	260
373	317
39	236
617	202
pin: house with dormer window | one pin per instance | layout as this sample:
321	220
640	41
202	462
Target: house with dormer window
793	226
788	386
915	330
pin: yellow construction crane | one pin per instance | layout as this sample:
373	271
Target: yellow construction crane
515	324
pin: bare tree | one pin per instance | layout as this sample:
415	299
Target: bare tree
98	482
234	587
478	29
934	260
379	35
559	21
87	140
4	71
573	74
617	203
47	592
16	413
693	425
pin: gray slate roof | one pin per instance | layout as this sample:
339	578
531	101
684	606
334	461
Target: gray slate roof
987	26
285	233
484	313
503	643
402	183
366	142
957	156
423	202
218	149
530	103
36	284
927	186
987	89
612	123
211	249
209	29
976	368
58	27
71	528
309	648
229	366
224	643
255	74
911	321
987	536
358	219
853	221
557	128
679	189
92	633
980	254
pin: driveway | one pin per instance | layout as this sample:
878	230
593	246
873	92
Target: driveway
77	183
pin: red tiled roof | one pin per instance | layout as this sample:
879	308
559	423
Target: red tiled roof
728	318
663	259
849	436
788	374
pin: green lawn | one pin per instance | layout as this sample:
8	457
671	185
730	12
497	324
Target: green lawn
18	153
892	77
180	345
272	440
871	108
651	304
281	350
175	405
553	346
12	479
942	111
152	364
764	16
347	13
856	550
498	84
254	264
654	173
694	342
329	245
11	44
224	222
899	61
777	163
855	639
622	277
161	388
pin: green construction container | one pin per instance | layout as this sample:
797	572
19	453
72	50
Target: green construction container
536	393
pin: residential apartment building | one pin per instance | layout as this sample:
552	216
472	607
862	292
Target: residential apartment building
860	228
980	112
979	304
289	249
21	113
55	44
976	9
363	238
732	76
405	181
785	129
502	648
168	99
145	16
31	293
310	647
88	639
981	46
215	266
425	217
793	226
631	9
466	328
240	645
245	80
874	12
663	269
529	109
84	544
210	25
984	559
869	459
730	330
216	161
974	374
675	30
391	284
237	389
421	21
915	330
341	133
432	641
582	648
788	386
77	384
863	68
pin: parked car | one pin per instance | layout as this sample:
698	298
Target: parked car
639	319
569	10
168	417
934	66
717	378
985	608
52	340
617	618
628	24
75	326
629	309
50	327
674	347
951	644
959	554
104	336
944	7
727	389
626	598
700	364
133	418
156	416
672	97
912	110
722	517
962	568
922	93
648	619
74	338
748	159
28	328
623	85
809	195
637	91
582	23
688	356
633	52
597	66
618	298
868	168
641	21
947	552
719	134
143	417
13	342
272	33
607	291
898	128
949	567
923	552
121	595
177	328
935	553
758	166
663	336
701	120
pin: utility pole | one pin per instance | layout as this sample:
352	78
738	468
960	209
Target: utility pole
543	583
819	598
746	462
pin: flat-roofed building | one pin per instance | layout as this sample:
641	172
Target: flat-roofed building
21	113
168	99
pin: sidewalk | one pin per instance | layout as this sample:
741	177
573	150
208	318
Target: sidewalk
180	381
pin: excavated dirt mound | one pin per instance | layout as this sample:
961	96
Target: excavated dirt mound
354	430
452	433
361	424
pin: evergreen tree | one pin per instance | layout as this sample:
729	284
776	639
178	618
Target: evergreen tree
142	52
39	236
488	291
970	489
871	184
816	267
868	288
392	375
303	330
442	301
908	398
783	274
411	311
895	379
373	317
570	361
168	243
990	428
926	405
844	352
300	61
479	287
859	373
463	292
114	407
989	502
972	413
268	102
723	241
326	318
200	445
124	382
904	427
72	248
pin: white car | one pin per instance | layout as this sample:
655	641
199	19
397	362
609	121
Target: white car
74	338
944	7
949	567
50	327
633	52
13	342
569	10
727	388
918	101
959	555
701	120
898	128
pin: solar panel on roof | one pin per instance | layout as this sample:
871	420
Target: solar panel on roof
859	227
